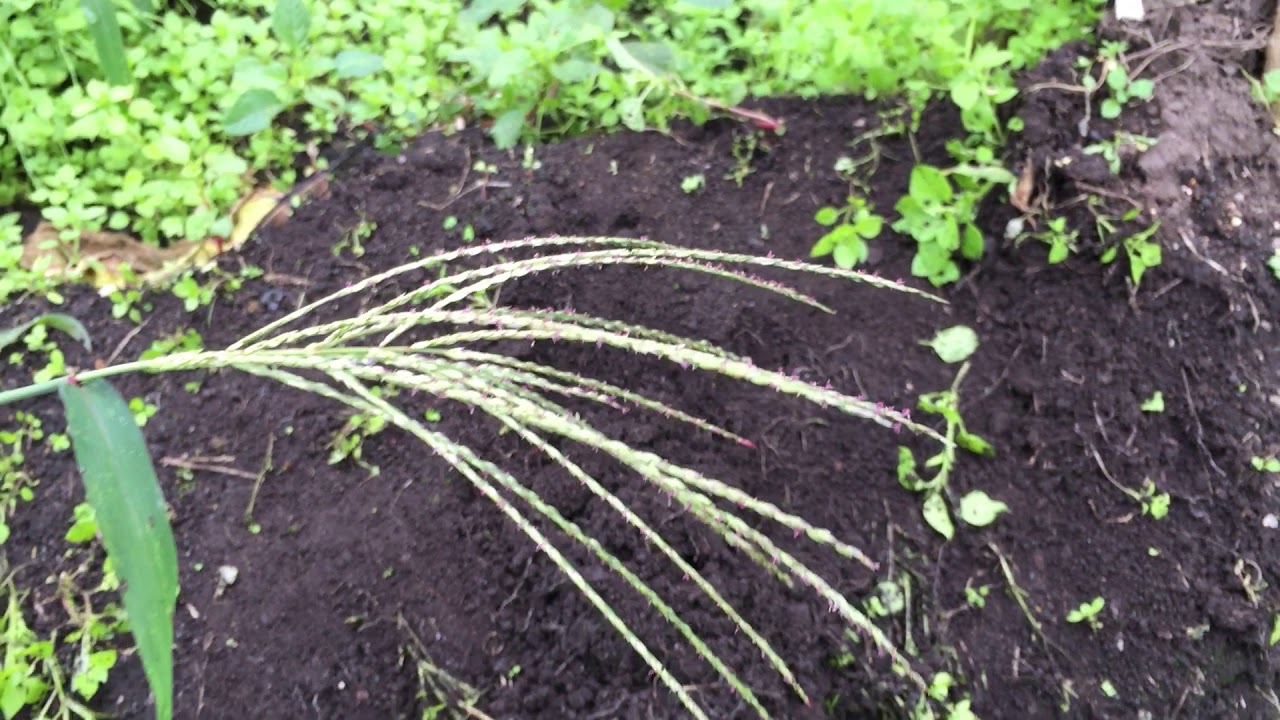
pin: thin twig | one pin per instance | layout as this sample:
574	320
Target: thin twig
208	464
124	342
1195	417
262	475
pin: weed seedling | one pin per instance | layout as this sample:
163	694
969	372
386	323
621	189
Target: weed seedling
528	161
1154	503
1061	241
1142	252
355	237
189	341
348	441
693	183
192	294
851	227
142	410
1268	464
1088	613
744	153
939	213
946	403
1115	149
1123	88
976	596
1153	404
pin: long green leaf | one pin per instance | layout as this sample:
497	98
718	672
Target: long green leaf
57	321
101	16
120	484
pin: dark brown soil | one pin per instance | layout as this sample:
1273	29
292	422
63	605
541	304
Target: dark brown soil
348	568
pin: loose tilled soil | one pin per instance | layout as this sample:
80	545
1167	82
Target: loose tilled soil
348	569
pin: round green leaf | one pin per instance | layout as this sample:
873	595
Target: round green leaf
356	63
979	510
826	216
954	344
291	22
252	112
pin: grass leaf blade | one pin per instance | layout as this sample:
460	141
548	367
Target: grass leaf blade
120	484
101	17
57	321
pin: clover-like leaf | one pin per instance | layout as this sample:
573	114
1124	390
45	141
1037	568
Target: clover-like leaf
979	509
954	344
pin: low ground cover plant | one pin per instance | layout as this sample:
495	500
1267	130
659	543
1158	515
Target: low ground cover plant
163	129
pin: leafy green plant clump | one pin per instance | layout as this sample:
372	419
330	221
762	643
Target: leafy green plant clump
158	122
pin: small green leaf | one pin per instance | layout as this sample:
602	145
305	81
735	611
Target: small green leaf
869	226
1107	688
974	444
964	93
972	243
291	22
172	149
849	254
906	468
1154	404
935	513
826	216
356	64
929	184
120	484
653	57
979	510
1275	630
57	321
507	127
1108	255
986	173
954	344
252	112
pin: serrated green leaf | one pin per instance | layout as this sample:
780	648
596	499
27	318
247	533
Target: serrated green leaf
57	321
953	344
936	514
120	484
507	127
979	509
929	184
291	22
252	112
356	64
